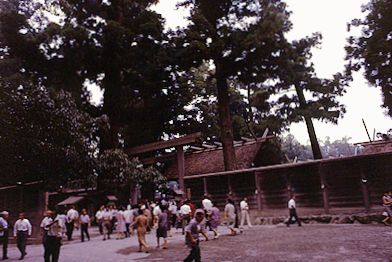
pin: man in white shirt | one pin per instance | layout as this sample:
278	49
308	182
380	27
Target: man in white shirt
98	218
128	216
106	223
4	227
293	211
54	231
84	221
22	230
207	204
185	212
72	218
156	211
245	213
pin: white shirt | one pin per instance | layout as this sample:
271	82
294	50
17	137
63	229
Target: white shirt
291	203
98	215
244	205
45	222
185	209
173	209
106	215
22	225
72	215
84	219
207	204
4	225
156	211
128	215
56	229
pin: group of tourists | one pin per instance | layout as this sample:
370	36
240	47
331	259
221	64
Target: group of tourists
21	231
193	219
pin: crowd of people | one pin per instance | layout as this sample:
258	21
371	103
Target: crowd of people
193	219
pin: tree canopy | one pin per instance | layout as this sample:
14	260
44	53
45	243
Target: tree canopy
372	49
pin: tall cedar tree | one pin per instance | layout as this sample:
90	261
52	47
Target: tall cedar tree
372	50
241	39
322	102
118	45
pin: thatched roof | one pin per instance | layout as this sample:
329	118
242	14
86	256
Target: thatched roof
211	160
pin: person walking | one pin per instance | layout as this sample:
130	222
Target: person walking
98	219
106	223
4	232
84	221
120	226
193	230
163	225
128	217
185	212
141	222
54	231
22	230
245	213
72	217
387	204
214	220
230	216
292	211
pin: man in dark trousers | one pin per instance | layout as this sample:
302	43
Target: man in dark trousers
54	232
22	230
293	211
193	230
4	232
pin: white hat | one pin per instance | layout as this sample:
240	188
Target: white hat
4	213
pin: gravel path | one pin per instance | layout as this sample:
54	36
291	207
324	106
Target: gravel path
312	242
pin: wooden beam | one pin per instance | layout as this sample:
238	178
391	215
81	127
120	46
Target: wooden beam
365	189
218	143
265	133
188	139
258	190
208	146
246	139
181	167
324	188
196	148
205	186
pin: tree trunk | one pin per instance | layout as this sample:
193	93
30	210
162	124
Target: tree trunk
225	120
309	125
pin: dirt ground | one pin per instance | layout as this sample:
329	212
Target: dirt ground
315	242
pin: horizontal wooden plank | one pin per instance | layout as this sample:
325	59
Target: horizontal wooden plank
185	140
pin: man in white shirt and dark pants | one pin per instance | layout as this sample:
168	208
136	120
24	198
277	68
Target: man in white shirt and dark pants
22	230
4	227
54	228
293	211
245	213
72	217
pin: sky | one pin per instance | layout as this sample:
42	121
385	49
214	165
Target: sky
330	18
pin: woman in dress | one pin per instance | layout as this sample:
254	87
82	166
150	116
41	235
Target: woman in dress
120	227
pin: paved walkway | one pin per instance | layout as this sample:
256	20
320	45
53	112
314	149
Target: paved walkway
316	242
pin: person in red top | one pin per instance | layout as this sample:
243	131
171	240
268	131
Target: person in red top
193	208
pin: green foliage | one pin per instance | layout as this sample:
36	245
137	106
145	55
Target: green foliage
372	49
43	135
117	169
121	47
